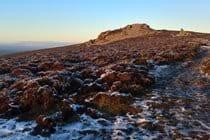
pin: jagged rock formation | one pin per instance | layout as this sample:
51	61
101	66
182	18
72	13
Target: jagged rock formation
130	31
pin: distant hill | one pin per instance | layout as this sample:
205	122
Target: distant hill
10	48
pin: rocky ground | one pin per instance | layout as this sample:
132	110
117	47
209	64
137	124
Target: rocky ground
153	86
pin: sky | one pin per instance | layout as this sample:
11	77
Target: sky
82	20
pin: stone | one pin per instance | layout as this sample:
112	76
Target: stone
47	97
45	122
18	85
22	72
57	66
45	126
113	103
67	112
39	99
109	77
74	84
101	60
124	76
116	86
93	113
18	72
45	66
140	61
4	104
45	80
90	88
205	67
31	84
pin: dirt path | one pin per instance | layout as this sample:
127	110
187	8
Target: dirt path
179	103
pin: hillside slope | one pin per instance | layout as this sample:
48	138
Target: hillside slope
146	73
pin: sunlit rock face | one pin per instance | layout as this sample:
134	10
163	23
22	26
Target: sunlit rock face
130	31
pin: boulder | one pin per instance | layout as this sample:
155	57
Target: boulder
46	94
45	80
140	61
113	103
22	73
38	99
67	112
205	67
109	77
18	85
57	66
101	60
4	103
116	86
45	122
45	126
45	66
125	76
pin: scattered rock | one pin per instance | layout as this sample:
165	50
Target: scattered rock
102	77
128	78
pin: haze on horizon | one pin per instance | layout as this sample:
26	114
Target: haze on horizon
78	21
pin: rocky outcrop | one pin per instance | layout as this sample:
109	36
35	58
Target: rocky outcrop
130	31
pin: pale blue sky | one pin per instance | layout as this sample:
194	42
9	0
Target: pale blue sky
81	20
